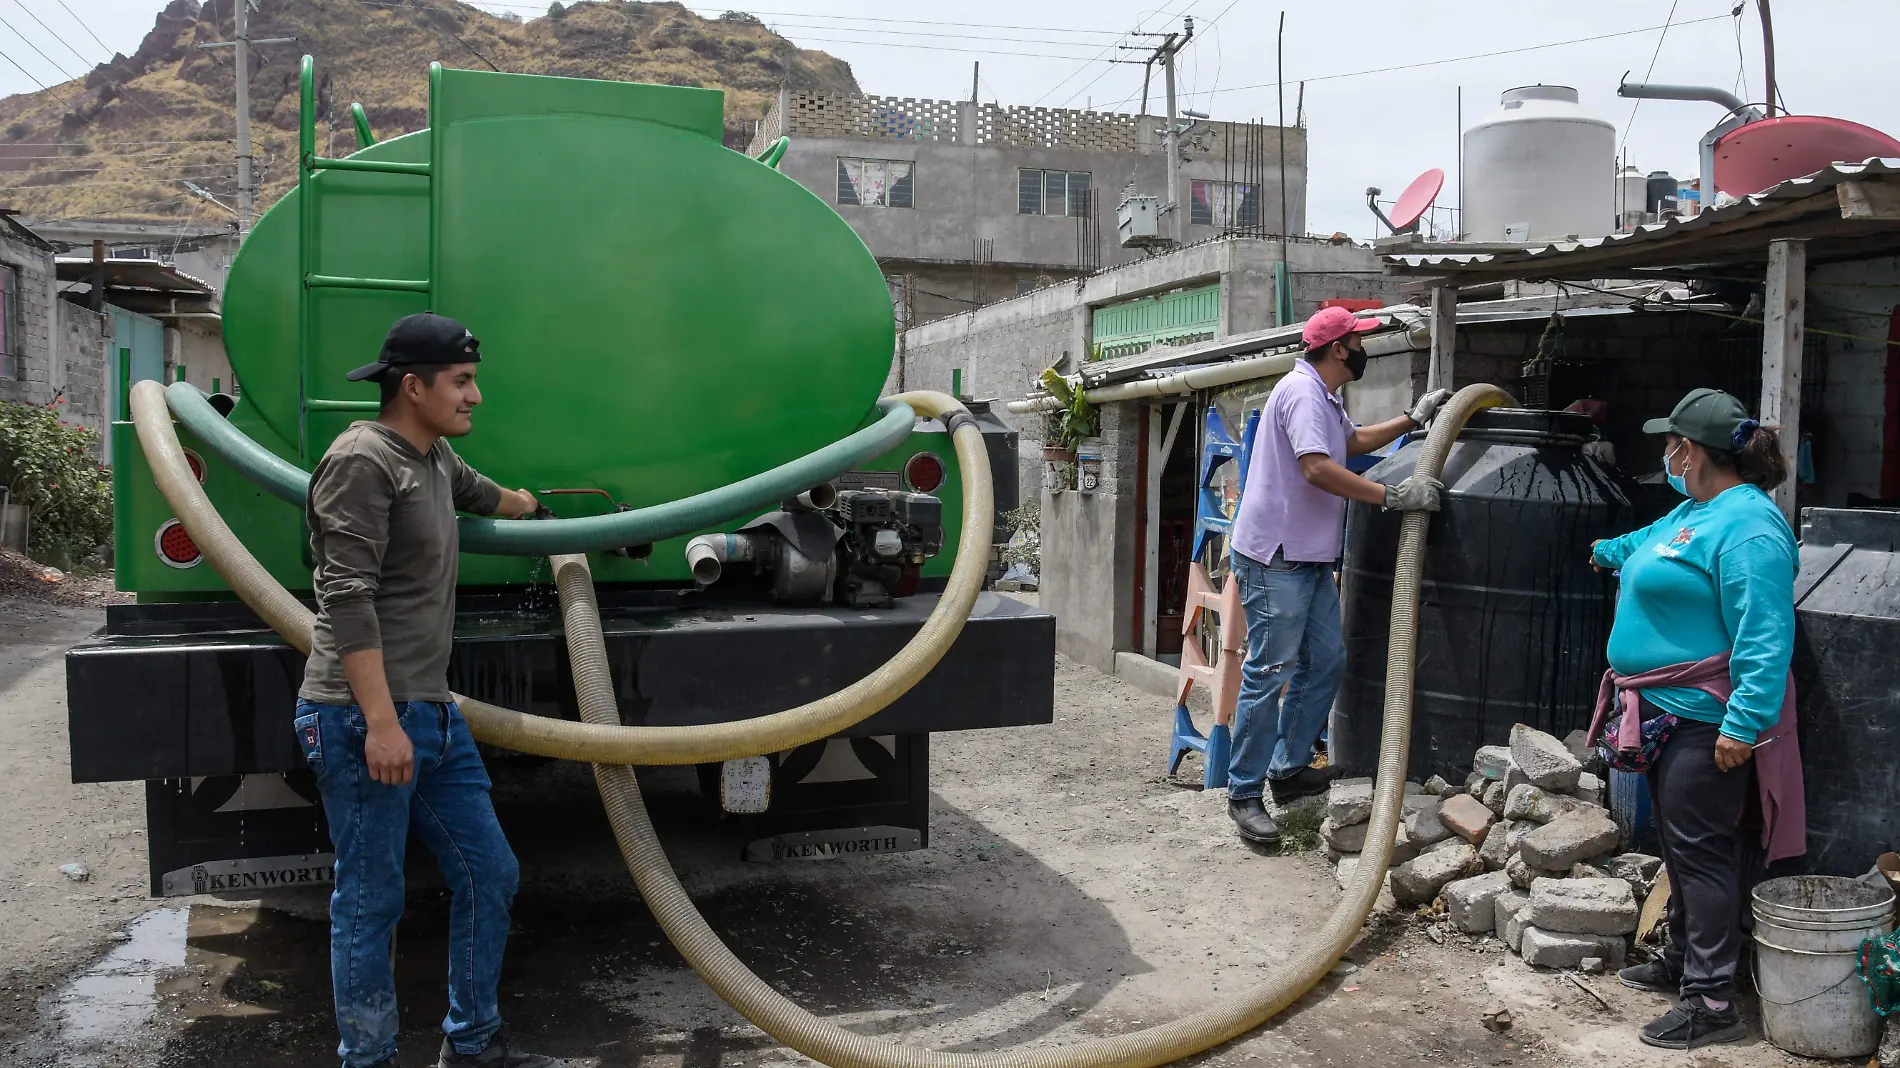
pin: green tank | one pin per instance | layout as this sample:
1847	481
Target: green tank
660	316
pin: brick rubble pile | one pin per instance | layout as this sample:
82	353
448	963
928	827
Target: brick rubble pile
1525	850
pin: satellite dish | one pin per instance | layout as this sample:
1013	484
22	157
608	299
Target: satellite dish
1411	204
1417	197
1764	154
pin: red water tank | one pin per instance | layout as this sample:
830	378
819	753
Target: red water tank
1764	154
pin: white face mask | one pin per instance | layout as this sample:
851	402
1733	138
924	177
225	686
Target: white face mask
1679	483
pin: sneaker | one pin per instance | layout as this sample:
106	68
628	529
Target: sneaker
1306	782
1655	977
501	1053
1251	819
1692	1025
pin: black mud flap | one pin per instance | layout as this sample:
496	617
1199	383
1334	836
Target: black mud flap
241	833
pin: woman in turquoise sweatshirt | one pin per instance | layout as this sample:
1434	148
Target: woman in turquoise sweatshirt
1714	576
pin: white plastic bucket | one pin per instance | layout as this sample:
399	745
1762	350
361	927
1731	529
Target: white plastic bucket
1808	931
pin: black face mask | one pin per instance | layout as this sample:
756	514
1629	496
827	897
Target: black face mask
1356	362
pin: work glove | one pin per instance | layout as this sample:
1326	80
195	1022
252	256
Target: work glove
1415	494
1428	406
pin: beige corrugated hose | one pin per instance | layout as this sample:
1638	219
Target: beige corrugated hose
757	1000
610	742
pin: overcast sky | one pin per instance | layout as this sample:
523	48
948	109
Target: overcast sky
1833	58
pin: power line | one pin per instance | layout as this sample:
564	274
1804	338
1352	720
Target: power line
1098	58
1463	59
869	18
62	71
929	33
1660	38
82	25
49	29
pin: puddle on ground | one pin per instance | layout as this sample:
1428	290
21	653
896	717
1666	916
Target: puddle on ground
114	999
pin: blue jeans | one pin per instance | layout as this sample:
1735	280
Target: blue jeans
1293	643
445	803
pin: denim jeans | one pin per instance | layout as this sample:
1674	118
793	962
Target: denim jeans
445	804
1293	645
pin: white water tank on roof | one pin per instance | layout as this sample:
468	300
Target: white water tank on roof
1540	168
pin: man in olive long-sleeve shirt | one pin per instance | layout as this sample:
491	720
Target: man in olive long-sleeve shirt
392	753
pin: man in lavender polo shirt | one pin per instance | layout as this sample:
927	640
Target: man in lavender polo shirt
1286	544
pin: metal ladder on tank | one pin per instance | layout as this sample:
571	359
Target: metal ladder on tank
309	242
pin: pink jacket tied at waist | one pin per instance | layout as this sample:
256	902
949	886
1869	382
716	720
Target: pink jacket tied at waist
1784	809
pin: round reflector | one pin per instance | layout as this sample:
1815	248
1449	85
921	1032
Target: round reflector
174	546
923	473
197	465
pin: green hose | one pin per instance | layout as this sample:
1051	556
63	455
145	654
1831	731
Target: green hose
597	533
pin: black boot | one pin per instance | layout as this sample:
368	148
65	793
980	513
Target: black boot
1306	782
1250	817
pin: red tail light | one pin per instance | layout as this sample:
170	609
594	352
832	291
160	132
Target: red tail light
923	473
174	546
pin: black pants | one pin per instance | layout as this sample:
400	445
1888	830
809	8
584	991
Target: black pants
1699	809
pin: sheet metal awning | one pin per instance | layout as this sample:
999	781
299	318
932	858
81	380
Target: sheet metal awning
1849	211
135	274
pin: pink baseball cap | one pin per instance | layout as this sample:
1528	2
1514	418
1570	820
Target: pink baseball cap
1330	324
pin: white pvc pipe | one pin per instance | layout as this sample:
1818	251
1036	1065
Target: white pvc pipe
1208	376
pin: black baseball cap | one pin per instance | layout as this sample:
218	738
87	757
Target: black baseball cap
1707	417
422	339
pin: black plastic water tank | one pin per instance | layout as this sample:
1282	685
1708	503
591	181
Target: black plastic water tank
1847	683
1513	619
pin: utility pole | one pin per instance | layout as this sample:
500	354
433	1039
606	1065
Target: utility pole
1164	54
241	44
976	69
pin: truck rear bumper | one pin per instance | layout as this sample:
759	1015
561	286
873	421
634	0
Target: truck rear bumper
173	695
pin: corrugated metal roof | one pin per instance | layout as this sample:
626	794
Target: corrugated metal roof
1557	252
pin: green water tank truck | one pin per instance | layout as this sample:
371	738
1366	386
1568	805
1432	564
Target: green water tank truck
663	318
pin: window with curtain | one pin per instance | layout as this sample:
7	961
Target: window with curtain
1224	204
876	183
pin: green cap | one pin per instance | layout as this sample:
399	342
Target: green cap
1707	417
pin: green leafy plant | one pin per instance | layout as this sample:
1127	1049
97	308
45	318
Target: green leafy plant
1079	420
1025	519
53	466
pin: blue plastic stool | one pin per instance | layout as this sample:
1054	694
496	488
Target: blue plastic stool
1215	747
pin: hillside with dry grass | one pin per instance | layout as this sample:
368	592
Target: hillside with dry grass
130	138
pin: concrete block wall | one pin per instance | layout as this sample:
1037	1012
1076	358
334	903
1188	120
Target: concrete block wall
82	339
29	375
60	347
1088	552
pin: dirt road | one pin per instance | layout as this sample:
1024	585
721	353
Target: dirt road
1070	891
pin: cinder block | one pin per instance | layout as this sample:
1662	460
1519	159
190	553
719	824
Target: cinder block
1604	906
1549	949
1470	903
